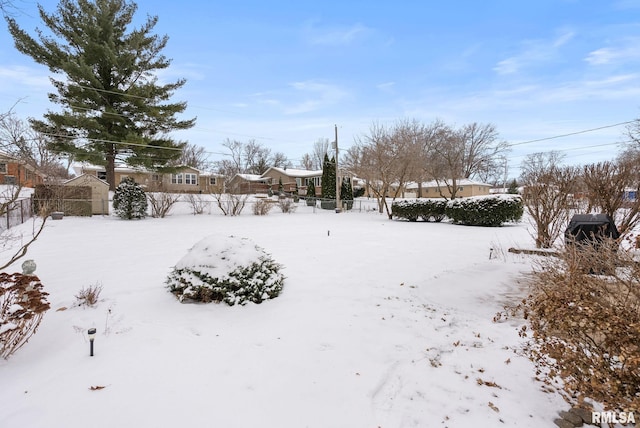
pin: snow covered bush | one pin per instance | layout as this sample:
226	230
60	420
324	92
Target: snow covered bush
22	305
129	200
226	269
426	209
493	210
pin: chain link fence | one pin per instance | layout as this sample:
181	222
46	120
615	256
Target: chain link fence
16	213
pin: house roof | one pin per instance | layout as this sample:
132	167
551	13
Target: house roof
86	177
250	177
443	183
297	173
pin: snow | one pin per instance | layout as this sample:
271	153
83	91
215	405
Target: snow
380	324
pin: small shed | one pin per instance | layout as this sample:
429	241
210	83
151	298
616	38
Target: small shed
590	229
99	192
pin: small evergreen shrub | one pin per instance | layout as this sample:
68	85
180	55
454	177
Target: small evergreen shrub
493	210
226	269
425	209
311	193
129	200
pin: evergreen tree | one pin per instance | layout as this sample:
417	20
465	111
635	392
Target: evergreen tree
129	200
328	178
346	192
311	189
513	187
111	101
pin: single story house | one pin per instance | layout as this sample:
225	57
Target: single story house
441	188
293	179
16	171
242	184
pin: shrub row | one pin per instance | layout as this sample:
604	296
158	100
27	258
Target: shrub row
493	210
425	209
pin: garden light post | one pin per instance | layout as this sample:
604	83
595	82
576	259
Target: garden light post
92	334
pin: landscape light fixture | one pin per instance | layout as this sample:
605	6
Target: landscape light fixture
92	334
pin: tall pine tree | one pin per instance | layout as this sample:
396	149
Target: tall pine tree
104	73
328	178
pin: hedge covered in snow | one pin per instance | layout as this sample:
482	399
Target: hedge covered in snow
226	269
425	209
492	210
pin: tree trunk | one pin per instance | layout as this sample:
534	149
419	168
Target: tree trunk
111	166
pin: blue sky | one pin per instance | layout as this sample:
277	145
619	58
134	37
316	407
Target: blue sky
283	73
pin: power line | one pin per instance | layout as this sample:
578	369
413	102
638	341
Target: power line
572	133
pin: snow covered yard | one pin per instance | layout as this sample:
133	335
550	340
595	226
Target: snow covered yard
380	324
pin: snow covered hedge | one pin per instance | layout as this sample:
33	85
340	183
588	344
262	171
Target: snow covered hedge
226	269
426	209
492	210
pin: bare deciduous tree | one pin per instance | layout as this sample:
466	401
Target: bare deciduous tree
249	158
548	194
470	151
386	158
194	156
20	140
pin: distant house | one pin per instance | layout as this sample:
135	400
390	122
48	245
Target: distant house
441	188
16	171
293	179
242	184
184	179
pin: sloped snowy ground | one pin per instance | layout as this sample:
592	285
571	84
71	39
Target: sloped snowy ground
380	324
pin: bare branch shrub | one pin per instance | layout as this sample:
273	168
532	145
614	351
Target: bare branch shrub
89	296
548	194
161	203
198	203
585	326
230	204
262	207
287	205
606	183
22	305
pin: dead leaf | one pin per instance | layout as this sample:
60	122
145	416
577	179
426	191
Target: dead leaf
97	388
493	407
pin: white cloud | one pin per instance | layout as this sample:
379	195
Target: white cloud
386	87
534	52
630	51
318	95
337	36
23	76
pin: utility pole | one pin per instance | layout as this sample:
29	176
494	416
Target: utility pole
338	181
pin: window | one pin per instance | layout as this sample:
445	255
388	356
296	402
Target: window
3	168
157	178
176	178
190	179
213	181
9	179
102	175
460	189
122	178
